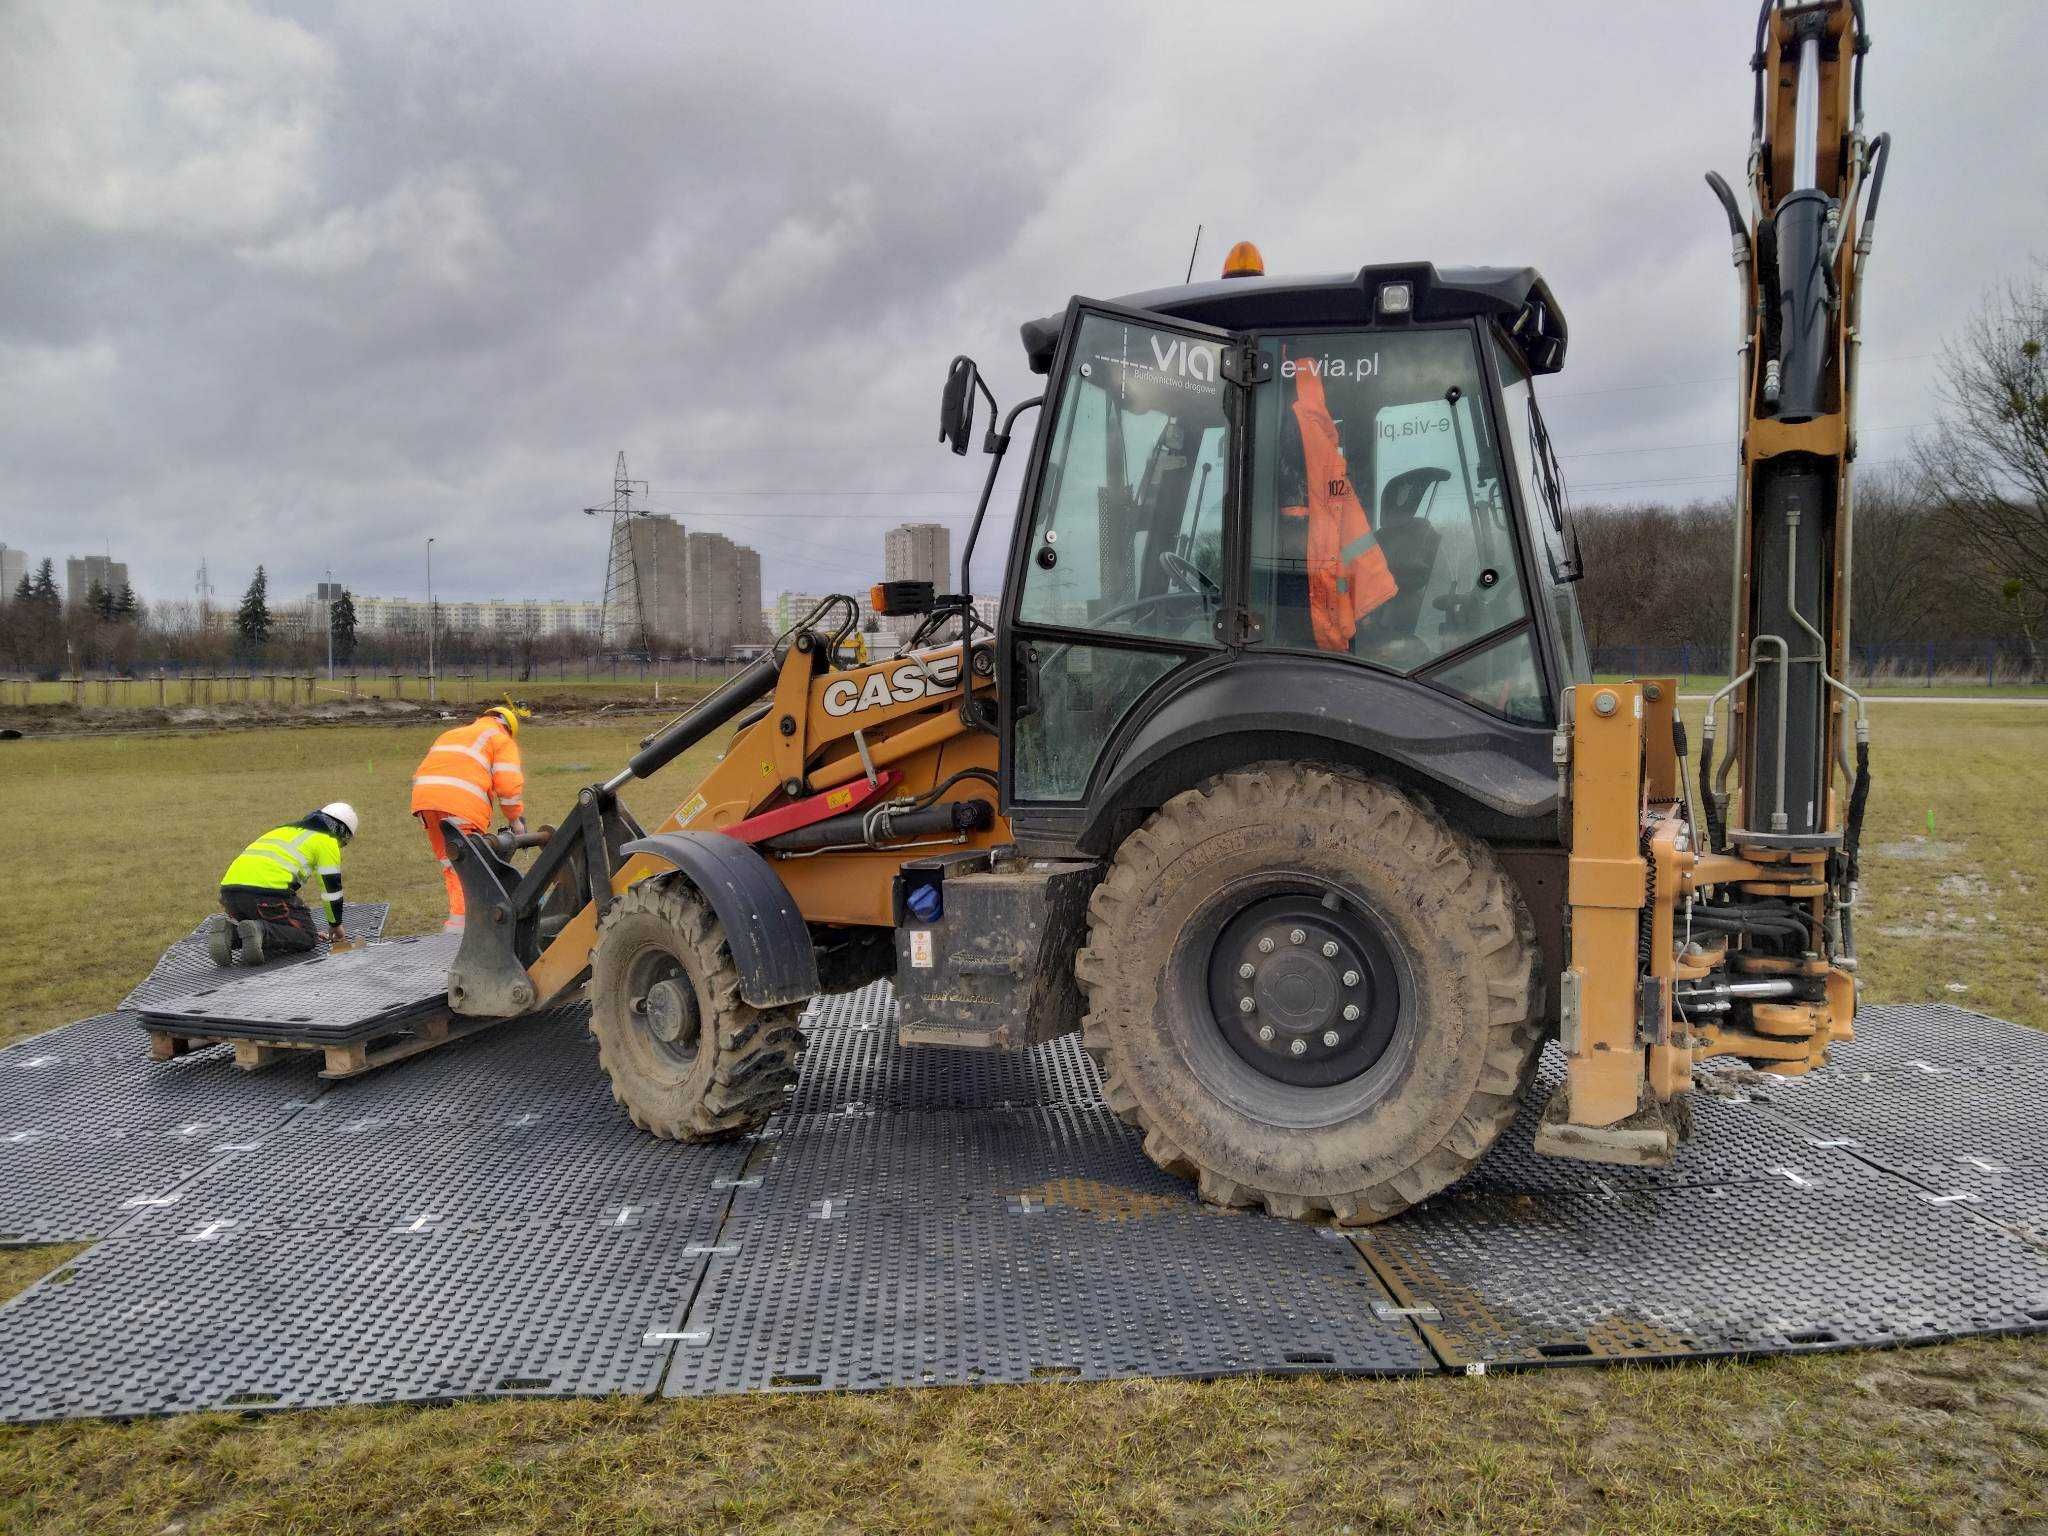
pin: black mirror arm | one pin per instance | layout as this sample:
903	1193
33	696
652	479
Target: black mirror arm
997	445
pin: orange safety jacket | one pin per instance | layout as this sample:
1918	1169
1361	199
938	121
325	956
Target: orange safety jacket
1348	575
465	767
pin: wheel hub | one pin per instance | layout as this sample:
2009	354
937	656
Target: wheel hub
666	1007
668	1011
1302	987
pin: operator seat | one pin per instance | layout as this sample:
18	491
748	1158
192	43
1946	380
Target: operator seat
1410	544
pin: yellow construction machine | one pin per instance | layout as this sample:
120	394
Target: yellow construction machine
1280	776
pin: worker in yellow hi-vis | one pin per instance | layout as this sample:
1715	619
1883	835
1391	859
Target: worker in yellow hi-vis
260	891
463	772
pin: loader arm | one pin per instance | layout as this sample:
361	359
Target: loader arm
1730	930
875	764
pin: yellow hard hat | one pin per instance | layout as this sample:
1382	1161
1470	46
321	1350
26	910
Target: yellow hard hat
511	714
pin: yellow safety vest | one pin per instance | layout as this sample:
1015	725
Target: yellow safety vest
282	858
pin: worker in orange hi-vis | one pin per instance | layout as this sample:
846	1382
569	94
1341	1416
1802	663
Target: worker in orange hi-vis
1348	576
463	772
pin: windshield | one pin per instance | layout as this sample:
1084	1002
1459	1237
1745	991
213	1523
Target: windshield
1379	524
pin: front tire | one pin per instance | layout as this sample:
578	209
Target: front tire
688	1057
1310	993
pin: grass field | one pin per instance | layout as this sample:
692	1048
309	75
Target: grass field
114	844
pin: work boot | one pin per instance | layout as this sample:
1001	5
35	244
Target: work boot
252	943
220	943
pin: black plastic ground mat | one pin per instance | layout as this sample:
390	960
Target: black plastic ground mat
954	1247
92	1130
483	1220
327	1000
311	1319
1846	1255
186	966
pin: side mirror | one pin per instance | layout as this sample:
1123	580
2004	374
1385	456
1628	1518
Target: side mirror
956	406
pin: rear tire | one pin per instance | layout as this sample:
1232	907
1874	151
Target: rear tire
688	1057
1355	1085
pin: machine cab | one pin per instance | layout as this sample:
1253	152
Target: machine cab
1350	472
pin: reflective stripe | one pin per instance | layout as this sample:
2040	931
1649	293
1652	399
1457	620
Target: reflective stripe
1356	548
443	780
282	849
456	746
445	863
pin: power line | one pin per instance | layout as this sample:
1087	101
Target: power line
621	574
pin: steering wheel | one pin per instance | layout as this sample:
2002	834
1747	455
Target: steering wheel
1189	577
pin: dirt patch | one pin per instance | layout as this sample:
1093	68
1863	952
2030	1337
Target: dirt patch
1092	1197
1920	848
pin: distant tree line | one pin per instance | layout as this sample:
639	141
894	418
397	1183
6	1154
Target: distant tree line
1950	546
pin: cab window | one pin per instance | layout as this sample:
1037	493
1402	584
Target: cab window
1543	496
1127	531
1378	520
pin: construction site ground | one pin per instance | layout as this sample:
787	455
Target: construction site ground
1948	1437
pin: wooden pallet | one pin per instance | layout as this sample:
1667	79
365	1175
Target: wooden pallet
349	1059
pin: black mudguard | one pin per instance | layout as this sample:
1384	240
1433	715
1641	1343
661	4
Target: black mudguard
770	944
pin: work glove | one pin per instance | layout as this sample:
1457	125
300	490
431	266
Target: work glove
340	943
518	825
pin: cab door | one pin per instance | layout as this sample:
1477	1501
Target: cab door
1119	575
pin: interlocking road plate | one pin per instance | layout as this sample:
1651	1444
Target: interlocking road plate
329	999
484	1221
186	966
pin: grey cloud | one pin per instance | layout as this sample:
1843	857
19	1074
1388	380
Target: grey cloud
306	287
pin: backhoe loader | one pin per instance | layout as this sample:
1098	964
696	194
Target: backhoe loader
1281	776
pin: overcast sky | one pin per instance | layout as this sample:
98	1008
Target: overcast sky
306	285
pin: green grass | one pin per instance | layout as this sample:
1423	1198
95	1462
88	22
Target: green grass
121	838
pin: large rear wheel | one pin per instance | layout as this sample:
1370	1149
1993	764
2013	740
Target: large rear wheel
688	1057
1310	993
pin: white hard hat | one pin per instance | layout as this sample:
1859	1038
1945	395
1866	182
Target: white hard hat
342	812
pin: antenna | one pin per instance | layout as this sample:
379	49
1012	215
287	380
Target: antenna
624	609
1192	252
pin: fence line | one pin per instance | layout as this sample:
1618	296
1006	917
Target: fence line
198	687
1919	663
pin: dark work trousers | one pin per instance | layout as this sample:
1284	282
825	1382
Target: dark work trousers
287	924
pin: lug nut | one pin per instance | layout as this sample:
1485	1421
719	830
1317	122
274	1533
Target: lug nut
1265	1031
1329	1037
1350	1013
1329	949
1351	978
1246	1005
1246	970
1265	946
1297	937
1299	1047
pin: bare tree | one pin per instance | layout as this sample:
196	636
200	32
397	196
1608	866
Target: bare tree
1900	581
1987	466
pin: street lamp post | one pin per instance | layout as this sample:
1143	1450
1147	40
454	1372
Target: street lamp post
432	696
330	624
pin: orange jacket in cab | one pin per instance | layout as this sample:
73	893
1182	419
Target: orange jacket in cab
465	767
1348	575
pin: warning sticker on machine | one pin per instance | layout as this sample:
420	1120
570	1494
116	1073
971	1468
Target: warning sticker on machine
921	949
